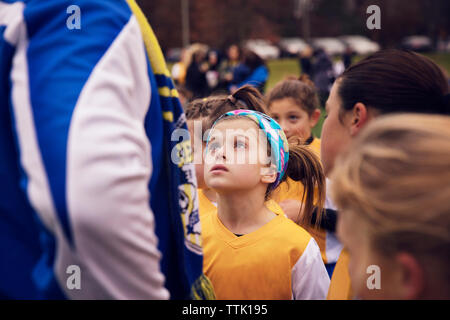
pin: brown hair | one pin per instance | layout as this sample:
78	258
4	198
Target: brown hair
211	108
395	81
304	166
198	109
246	97
301	90
395	179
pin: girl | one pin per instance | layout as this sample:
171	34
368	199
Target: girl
294	104
201	114
392	189
252	252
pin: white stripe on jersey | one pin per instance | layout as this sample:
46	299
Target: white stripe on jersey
11	16
108	170
310	280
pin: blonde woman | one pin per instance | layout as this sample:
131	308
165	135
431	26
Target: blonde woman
393	192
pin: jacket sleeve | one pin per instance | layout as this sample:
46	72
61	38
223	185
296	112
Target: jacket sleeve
80	97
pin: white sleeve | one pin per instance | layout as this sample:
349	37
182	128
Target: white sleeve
310	279
108	171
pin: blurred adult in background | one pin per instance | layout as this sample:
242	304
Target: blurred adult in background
252	71
227	67
347	56
212	75
179	68
196	75
389	81
306	64
322	74
91	205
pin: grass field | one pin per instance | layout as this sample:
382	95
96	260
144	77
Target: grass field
279	69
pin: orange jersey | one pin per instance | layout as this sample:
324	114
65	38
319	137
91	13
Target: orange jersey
340	286
279	261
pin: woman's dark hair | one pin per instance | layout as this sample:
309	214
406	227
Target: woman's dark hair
301	90
395	81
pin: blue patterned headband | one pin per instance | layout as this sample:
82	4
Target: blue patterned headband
278	142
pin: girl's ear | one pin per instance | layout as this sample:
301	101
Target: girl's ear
269	174
314	118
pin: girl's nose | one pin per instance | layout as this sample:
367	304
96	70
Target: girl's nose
220	153
284	126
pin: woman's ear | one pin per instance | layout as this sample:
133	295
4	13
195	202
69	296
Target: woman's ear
359	118
314	118
269	174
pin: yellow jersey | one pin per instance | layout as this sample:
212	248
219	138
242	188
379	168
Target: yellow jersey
279	261
340	285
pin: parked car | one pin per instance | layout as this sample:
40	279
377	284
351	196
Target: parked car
417	43
332	46
361	45
263	48
291	47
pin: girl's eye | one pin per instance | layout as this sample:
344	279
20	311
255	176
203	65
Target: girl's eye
240	145
293	118
213	147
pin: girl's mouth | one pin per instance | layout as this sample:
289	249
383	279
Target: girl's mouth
219	168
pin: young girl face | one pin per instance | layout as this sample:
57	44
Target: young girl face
233	158
294	120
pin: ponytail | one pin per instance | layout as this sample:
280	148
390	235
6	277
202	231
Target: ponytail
249	98
246	97
304	166
307	80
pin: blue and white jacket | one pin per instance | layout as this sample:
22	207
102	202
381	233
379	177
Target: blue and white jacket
86	177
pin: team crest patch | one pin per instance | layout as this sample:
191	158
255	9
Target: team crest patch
189	211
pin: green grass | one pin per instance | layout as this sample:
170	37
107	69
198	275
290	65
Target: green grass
280	69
